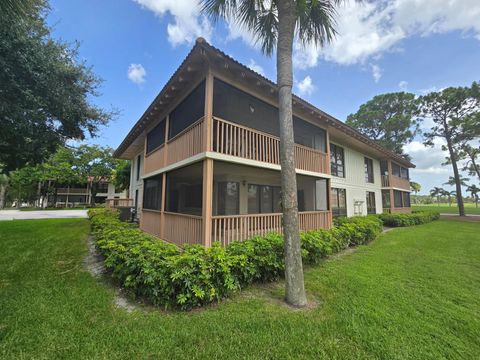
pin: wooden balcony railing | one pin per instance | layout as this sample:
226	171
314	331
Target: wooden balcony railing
187	143
395	181
182	229
237	140
385	181
154	160
115	203
398	182
241	227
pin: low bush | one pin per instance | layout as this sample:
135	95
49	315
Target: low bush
166	275
410	219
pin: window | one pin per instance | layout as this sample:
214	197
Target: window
102	187
371	206
368	170
188	111
228	198
397	199
399	171
263	199
406	199
152	193
184	190
139	158
383	167
156	137
386	199
339	202
337	160
136	200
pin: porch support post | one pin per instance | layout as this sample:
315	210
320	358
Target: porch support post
207	201
208	135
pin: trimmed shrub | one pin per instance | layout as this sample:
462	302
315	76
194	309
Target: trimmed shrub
410	219
166	275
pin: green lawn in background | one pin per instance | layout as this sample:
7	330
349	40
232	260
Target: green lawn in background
470	208
413	293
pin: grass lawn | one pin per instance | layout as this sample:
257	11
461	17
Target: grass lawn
413	293
470	208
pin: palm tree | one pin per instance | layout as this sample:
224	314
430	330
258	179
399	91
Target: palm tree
275	24
448	195
474	191
437	192
415	187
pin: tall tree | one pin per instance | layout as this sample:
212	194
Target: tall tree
472	156
450	110
390	119
415	187
275	24
46	89
94	164
437	192
474	192
121	175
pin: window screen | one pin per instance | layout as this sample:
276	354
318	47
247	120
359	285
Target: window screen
184	190
156	136
386	199
309	135
188	111
152	193
232	104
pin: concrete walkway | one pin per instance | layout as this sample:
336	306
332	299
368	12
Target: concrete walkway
42	214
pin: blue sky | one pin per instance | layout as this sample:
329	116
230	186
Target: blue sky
386	46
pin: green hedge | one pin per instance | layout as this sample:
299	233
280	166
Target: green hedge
414	218
194	276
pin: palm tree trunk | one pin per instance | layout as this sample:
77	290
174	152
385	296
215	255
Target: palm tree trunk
294	282
456	174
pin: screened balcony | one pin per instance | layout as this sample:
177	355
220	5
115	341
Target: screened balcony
243	202
239	125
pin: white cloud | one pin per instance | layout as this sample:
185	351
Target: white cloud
368	29
187	24
376	72
136	73
403	85
305	87
255	67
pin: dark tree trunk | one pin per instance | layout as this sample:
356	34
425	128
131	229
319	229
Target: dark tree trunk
3	192
474	163
456	174
294	282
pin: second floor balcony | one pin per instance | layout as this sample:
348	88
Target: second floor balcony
392	181
231	139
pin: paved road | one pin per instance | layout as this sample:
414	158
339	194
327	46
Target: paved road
42	214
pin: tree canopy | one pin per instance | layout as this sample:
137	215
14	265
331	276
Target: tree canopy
46	90
390	119
455	113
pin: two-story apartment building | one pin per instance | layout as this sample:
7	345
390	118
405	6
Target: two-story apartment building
206	162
